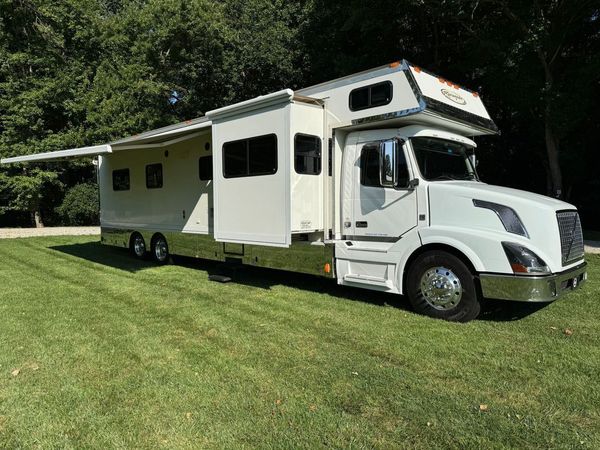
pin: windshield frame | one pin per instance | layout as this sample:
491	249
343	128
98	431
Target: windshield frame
467	151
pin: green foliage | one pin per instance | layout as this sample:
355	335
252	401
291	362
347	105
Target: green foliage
84	72
25	192
80	205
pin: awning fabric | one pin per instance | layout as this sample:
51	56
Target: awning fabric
154	138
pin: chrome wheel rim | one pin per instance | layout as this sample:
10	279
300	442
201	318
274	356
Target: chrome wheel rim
441	288
139	247
160	250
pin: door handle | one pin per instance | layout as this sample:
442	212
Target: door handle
361	224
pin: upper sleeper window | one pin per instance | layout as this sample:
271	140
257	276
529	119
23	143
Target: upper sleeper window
378	94
205	168
307	154
154	176
250	157
120	180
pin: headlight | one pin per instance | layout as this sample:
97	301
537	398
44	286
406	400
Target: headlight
509	218
524	261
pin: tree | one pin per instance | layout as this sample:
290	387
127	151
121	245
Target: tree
80	205
25	192
46	54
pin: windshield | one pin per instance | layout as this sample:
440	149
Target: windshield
439	159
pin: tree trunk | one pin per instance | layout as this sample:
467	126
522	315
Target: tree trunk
552	147
37	218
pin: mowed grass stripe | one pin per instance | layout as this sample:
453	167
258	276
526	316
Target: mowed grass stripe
126	352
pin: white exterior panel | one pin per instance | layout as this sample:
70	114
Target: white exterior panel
182	204
306	190
254	209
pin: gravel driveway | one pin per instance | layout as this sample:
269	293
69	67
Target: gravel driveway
8	233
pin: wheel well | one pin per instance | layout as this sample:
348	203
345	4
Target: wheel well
443	247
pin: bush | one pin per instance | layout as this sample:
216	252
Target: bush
80	205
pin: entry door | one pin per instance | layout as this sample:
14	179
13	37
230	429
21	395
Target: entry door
384	212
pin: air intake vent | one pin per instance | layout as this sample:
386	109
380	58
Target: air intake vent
571	236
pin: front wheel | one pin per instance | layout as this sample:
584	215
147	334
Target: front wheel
440	285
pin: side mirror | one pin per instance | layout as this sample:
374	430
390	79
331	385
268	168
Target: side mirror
474	160
387	163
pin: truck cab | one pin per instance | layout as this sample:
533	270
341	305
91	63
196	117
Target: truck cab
418	221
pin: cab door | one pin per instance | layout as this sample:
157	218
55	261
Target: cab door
384	202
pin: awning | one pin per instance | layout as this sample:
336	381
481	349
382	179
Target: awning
70	153
151	139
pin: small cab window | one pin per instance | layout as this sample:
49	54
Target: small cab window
154	176
120	180
250	157
205	168
307	154
370	167
378	94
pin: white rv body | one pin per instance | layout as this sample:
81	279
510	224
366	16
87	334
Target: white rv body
293	187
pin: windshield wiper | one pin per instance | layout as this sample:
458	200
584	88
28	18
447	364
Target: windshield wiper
450	177
444	177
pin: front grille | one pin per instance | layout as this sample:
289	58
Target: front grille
571	236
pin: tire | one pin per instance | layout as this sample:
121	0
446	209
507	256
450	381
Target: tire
138	246
440	285
160	249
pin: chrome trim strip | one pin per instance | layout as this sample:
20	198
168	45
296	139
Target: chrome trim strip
351	237
459	115
303	257
532	288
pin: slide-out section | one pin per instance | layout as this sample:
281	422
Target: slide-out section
266	190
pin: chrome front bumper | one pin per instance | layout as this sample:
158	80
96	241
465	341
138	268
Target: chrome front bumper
532	288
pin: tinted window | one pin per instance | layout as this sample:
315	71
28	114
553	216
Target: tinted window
235	159
369	167
250	157
307	154
262	155
120	180
154	176
205	168
442	160
371	96
359	99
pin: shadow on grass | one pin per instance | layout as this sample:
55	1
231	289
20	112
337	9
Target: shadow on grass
116	257
505	311
263	278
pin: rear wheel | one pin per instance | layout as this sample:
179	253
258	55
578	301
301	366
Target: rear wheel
440	285
138	246
160	249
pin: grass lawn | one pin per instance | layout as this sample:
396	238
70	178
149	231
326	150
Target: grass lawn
99	350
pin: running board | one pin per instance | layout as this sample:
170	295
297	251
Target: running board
368	280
